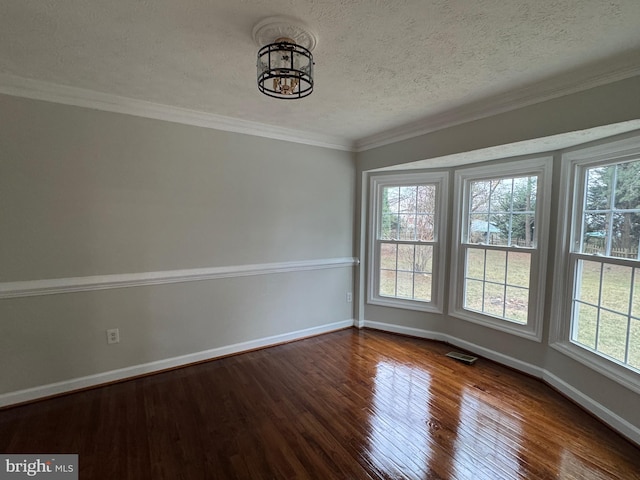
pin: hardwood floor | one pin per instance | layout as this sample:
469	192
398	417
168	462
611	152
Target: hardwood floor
345	405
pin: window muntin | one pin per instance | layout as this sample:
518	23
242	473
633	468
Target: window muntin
407	214
406	238
605	305
501	213
498	262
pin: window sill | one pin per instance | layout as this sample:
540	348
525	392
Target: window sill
524	331
404	304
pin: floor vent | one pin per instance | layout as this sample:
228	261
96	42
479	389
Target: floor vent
468	359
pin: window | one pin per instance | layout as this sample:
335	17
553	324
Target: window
600	268
499	256
407	231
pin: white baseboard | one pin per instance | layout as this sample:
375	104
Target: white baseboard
66	386
615	421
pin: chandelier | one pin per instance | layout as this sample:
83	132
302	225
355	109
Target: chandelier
285	63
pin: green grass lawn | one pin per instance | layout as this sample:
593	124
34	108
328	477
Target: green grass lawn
498	285
609	286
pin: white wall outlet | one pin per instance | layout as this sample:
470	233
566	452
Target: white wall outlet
349	297
113	335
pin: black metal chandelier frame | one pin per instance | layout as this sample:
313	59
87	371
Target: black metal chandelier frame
279	69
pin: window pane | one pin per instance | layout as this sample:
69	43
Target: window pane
494	299
518	268
478	228
522	232
496	263
473	295
585	325
475	263
424	258
524	194
405	284
499	228
517	304
479	197
388	256
388	283
501	195
391	199
422	287
588	281
596	226
407	199
405	257
612	334
627	193
425	227
389	227
634	344
598	190
626	235
616	288
427	199
407	226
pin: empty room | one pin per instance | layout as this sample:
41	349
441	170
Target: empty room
302	239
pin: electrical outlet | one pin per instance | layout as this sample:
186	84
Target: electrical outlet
113	335
349	297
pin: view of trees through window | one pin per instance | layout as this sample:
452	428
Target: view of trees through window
606	303
501	213
407	235
612	210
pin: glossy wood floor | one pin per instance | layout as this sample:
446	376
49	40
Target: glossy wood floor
346	405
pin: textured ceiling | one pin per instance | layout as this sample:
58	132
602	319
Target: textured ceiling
380	65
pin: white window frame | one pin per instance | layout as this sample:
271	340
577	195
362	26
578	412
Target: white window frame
540	166
376	184
611	151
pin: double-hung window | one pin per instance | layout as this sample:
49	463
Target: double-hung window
499	256
405	248
598	298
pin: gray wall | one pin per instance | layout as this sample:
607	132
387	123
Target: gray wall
605	105
85	193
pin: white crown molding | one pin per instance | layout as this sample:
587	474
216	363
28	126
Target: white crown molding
539	92
609	417
66	386
51	92
32	288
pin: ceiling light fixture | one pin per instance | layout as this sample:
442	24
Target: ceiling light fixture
285	63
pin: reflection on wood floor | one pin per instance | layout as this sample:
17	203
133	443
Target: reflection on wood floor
345	405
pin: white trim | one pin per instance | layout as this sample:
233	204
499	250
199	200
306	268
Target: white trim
376	183
606	151
502	103
622	375
66	386
610	418
54	286
51	92
542	166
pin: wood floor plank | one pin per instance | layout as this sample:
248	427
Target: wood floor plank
353	404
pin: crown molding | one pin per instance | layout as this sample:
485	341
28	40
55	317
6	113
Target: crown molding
51	92
574	82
